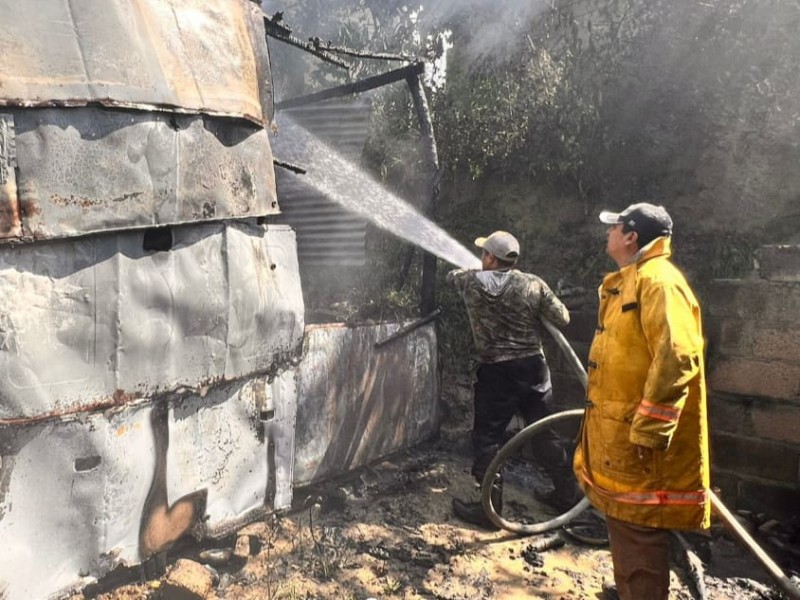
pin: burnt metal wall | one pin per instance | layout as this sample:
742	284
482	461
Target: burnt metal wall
147	395
176	55
149	326
102	322
151	314
81	496
87	170
358	403
191	144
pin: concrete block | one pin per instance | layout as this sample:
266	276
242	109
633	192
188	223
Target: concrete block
778	422
758	300
721	298
758	458
755	378
727	484
753	339
781	303
772	343
729	336
779	262
730	416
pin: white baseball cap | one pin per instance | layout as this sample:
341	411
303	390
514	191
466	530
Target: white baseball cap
501	244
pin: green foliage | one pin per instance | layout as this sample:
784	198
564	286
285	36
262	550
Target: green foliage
539	112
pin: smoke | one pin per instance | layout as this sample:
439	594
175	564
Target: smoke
495	27
491	28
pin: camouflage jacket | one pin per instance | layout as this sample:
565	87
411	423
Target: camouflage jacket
504	309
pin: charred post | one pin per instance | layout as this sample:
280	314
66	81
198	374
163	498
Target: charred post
431	180
370	83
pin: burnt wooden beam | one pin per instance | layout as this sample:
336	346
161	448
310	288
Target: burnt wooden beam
430	191
404	331
329	47
289	166
357	87
284	34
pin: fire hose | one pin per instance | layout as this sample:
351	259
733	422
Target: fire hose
515	443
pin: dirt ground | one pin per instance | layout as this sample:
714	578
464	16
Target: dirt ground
388	532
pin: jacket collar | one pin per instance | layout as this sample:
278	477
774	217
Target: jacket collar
661	246
615	282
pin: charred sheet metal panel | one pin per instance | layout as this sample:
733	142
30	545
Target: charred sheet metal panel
10	224
86	170
236	443
328	235
100	321
357	403
71	500
79	497
185	55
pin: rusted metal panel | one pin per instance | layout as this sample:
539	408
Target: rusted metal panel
328	234
180	55
101	321
80	497
356	403
88	170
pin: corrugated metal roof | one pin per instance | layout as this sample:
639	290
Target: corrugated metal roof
327	234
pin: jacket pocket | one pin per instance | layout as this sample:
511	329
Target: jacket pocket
621	459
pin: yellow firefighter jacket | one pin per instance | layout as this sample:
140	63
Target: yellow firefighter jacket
643	456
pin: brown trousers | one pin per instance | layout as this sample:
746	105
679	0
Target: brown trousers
641	560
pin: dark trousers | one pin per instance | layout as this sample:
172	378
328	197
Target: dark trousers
641	560
504	389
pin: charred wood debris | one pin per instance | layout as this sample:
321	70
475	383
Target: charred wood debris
325	50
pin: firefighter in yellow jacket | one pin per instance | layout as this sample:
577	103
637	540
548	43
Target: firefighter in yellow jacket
643	456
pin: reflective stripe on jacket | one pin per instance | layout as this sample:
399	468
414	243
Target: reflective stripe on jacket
643	456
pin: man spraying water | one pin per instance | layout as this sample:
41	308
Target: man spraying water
504	306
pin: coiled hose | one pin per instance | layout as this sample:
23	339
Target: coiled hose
515	443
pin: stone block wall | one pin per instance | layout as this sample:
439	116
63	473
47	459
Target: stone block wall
753	331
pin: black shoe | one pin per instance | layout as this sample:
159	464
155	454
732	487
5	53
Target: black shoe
608	591
473	513
557	499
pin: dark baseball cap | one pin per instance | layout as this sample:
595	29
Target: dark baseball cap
647	220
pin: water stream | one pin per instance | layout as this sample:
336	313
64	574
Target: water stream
348	185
